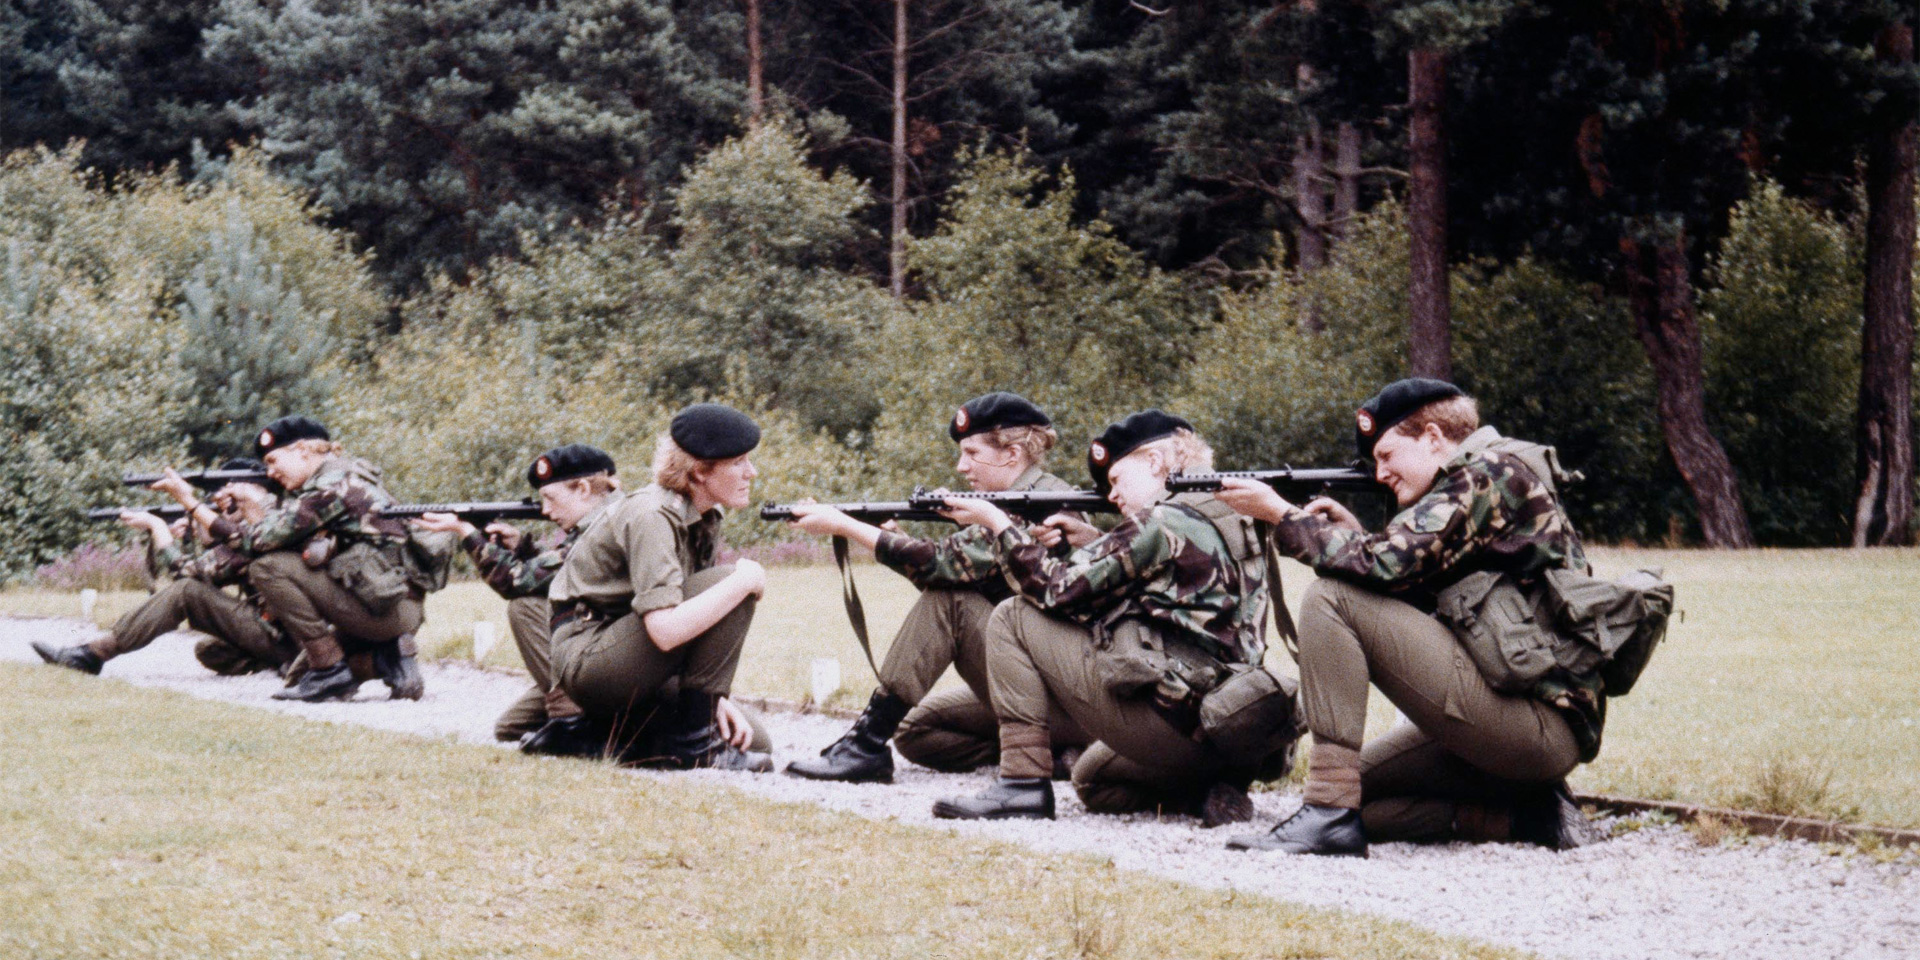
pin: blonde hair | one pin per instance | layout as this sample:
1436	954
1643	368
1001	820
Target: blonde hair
1032	442
326	448
673	467
598	484
1457	417
1184	452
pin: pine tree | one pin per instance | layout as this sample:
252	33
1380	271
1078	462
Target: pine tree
252	349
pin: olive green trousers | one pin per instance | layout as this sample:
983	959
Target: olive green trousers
1037	664
530	620
1466	746
953	730
238	640
320	614
613	670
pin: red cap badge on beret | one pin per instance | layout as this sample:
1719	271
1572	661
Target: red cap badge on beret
543	468
266	439
1098	452
1365	422
960	419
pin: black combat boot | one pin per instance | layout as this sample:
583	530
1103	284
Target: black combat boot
691	740
1549	818
81	657
316	685
574	736
1225	802
1019	798
399	669
1316	829
861	755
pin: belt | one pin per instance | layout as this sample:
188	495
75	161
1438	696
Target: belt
577	610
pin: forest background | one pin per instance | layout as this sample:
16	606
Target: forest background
1674	238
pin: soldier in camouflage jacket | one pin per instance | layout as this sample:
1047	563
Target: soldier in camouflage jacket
1003	441
1473	763
572	482
191	575
1124	636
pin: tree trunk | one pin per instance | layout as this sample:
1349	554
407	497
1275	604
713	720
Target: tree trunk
1662	295
756	68
1430	326
1310	197
1346	179
1884	512
897	255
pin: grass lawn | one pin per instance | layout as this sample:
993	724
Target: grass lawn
148	824
1789	682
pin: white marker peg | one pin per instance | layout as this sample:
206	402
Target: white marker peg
826	679
483	639
88	598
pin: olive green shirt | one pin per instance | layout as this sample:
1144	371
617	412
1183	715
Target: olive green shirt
636	552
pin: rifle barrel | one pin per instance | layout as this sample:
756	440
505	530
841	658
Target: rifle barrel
168	512
489	510
1349	479
879	511
204	479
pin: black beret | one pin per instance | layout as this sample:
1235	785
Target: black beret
993	411
567	463
714	431
288	430
1126	435
1396	402
244	463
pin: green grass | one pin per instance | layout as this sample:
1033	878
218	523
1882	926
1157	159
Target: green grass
1788	680
147	824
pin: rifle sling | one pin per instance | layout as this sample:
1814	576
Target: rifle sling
849	594
1282	617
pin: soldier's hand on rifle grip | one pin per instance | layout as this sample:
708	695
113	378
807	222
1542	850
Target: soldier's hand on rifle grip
504	534
970	512
1078	532
444	523
1334	511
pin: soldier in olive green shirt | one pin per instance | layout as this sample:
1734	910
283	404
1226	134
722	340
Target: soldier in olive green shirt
639	602
1003	440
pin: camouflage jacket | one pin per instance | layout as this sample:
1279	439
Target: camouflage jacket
219	565
525	572
1168	565
1487	510
342	498
963	560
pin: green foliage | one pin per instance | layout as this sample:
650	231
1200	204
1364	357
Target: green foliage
1021	297
252	350
1781	334
98	377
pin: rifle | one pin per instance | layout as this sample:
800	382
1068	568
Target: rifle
1285	479
478	513
205	479
1032	506
169	512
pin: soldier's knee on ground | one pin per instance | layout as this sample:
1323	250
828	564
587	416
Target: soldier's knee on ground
225	658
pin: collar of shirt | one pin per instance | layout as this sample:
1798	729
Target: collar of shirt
679	507
1028	478
596	513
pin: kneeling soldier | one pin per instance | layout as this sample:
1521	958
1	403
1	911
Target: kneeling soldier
1003	442
573	482
1473	763
330	568
239	637
638	602
1125	636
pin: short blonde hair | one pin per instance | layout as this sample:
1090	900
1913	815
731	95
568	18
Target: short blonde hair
1033	442
1184	452
598	484
316	445
673	467
1457	418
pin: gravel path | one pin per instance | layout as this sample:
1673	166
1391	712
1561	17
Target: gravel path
1651	893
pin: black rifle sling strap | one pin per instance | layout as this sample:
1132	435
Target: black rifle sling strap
1282	617
856	614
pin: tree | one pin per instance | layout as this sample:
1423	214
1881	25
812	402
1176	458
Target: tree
1884	510
252	350
441	132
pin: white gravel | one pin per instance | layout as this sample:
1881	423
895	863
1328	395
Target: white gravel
1651	893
